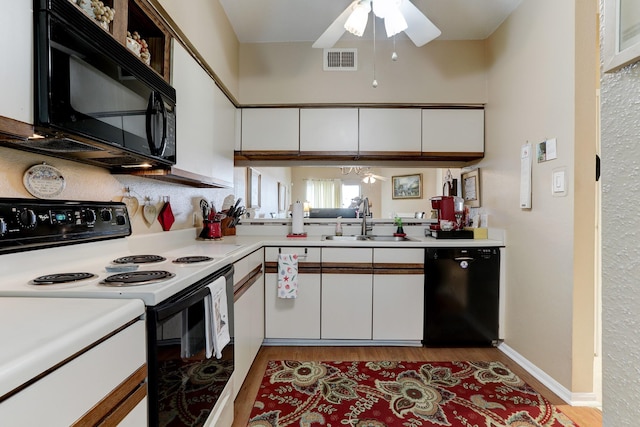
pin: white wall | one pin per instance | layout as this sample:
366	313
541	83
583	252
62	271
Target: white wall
532	96
620	247
440	72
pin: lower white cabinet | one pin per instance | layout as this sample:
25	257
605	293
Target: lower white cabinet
248	314
88	388
398	306
346	306
347	278
398	293
348	294
293	318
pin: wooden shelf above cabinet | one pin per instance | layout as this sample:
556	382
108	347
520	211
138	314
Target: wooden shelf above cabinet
292	158
138	16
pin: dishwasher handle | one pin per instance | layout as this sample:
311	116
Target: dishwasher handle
464	258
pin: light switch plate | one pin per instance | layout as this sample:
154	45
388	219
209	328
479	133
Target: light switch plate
559	182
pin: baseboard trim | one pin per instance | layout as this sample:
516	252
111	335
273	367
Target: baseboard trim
573	399
345	343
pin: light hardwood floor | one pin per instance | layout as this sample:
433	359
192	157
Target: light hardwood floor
584	417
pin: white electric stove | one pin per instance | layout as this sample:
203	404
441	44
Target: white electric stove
95	269
89	245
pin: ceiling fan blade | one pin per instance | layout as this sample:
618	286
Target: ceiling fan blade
332	34
381	178
421	30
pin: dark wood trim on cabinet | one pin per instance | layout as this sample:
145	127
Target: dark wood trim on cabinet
392	266
246	282
303	267
398	271
247	158
14	129
111	410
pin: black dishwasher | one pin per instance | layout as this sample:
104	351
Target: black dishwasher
462	291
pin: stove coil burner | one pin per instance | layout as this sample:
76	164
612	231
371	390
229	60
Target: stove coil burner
136	278
192	259
61	278
139	259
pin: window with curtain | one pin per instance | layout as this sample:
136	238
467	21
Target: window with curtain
324	193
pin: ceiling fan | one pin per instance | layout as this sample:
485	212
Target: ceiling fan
370	178
398	15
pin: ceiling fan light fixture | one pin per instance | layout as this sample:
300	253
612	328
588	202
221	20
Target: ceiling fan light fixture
357	21
394	22
368	179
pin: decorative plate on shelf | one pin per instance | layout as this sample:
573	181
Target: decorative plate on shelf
43	181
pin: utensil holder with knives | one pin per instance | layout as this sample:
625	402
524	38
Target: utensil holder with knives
228	226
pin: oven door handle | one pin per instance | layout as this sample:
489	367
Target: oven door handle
181	302
175	307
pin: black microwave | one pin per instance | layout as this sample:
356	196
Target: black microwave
95	101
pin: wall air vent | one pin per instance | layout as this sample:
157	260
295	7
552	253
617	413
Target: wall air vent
340	60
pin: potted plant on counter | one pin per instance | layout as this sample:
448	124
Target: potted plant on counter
399	230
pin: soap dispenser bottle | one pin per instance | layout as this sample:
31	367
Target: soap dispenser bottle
339	227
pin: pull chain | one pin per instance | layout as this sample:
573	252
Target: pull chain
375	82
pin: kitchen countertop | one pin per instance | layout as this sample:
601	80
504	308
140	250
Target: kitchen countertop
39	333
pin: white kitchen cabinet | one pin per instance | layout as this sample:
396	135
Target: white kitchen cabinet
16	75
347	293
452	131
329	130
270	129
205	120
398	306
346	306
248	314
390	129
89	382
398	294
293	318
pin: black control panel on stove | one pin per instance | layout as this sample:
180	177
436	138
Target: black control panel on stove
27	224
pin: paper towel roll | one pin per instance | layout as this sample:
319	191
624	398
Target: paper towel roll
297	214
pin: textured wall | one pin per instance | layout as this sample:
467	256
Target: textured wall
620	124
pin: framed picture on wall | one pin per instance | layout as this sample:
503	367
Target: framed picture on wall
406	186
621	33
471	188
282	197
253	187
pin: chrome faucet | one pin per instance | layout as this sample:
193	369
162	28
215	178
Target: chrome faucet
365	213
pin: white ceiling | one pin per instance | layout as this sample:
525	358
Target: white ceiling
265	21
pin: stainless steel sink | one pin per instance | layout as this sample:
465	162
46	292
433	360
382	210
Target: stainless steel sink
373	238
389	238
344	238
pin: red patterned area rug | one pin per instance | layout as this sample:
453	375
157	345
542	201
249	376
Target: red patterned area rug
407	394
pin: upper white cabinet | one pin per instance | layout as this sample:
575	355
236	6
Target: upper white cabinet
16	75
270	129
452	131
205	121
329	129
390	129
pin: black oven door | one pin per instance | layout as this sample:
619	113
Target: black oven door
184	384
